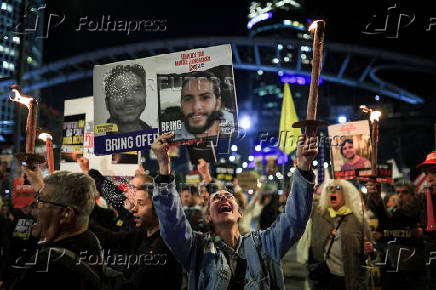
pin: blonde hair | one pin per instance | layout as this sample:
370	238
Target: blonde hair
351	197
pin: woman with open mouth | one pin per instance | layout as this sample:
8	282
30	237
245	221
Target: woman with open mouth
340	235
224	259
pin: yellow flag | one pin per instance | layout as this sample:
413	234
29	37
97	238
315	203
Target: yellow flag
288	135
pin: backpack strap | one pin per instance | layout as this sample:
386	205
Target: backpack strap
332	237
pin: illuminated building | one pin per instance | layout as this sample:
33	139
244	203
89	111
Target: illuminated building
10	38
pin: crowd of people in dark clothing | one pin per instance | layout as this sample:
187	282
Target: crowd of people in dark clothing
83	231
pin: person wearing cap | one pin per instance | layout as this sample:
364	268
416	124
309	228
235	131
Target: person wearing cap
223	259
408	226
429	167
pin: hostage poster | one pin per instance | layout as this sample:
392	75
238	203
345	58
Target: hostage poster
350	148
78	141
190	93
125	106
197	98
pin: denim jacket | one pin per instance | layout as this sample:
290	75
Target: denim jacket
204	256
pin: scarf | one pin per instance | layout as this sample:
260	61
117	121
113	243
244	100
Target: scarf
342	211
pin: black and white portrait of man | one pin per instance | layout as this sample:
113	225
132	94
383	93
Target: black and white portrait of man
125	97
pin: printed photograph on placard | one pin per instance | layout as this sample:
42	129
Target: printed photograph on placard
351	148
197	98
125	106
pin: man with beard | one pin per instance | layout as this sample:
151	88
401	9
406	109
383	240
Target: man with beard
400	234
201	105
354	161
124	87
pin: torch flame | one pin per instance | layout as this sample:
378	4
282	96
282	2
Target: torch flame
375	116
45	136
15	96
365	109
313	26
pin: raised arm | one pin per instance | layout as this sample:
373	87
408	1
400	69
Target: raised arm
174	228
256	198
105	187
376	204
290	225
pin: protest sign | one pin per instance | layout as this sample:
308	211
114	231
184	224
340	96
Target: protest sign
350	148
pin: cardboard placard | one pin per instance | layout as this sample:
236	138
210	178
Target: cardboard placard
23	193
248	179
350	148
191	93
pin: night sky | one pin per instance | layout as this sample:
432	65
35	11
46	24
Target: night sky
345	22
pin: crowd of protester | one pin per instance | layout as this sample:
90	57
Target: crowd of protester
82	231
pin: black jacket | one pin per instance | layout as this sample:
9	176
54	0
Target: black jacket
47	274
147	261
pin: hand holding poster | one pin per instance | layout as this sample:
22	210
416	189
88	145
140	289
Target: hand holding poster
351	148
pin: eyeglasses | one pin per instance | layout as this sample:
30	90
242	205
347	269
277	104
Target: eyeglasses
334	187
219	196
39	202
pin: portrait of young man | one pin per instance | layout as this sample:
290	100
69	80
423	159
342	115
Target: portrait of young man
353	160
125	97
202	109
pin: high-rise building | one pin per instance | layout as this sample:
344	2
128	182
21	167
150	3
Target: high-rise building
12	33
278	18
287	21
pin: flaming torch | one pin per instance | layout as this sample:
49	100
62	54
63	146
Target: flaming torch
49	149
374	118
311	124
30	158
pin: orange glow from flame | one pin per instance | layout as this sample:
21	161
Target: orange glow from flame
313	26
45	136
19	98
375	116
